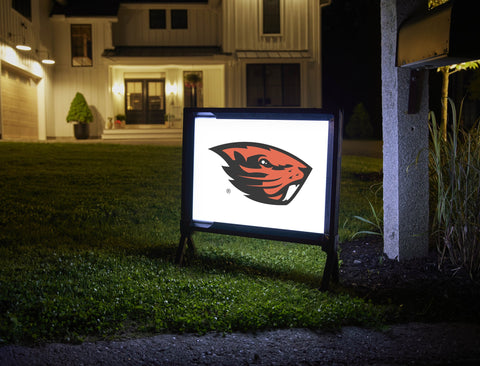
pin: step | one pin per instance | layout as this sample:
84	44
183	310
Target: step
143	133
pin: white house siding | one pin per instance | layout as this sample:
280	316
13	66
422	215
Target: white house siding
299	42
93	84
133	27
233	25
91	81
214	87
36	33
242	18
235	84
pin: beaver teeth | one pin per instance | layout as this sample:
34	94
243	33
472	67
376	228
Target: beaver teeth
292	188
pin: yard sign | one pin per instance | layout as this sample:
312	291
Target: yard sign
264	173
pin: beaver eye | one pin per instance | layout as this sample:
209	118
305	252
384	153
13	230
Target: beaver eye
265	163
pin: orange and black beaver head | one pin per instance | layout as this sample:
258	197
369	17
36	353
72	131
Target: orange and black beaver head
265	173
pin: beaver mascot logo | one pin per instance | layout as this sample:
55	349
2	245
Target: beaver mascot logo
264	173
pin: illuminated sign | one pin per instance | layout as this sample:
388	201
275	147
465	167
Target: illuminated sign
266	173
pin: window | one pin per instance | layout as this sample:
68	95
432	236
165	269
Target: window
179	19
134	95
158	19
81	45
273	85
24	7
271	17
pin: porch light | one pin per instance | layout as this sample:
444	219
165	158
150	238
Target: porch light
172	88
118	89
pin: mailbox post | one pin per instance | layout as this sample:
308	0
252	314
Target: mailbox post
411	44
405	185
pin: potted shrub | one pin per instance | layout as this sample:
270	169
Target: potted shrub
81	115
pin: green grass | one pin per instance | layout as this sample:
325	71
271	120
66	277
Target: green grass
88	235
360	186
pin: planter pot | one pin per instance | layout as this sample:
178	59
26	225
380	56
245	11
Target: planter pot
81	131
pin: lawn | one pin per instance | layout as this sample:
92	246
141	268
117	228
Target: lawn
88	234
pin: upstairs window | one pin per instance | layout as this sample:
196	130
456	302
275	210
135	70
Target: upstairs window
24	7
179	19
271	16
81	43
158	19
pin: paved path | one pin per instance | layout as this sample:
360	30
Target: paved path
403	344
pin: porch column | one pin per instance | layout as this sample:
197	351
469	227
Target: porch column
405	136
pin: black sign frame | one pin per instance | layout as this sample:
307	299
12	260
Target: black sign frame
327	240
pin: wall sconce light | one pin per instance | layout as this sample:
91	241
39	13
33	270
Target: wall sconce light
172	88
118	89
47	60
23	46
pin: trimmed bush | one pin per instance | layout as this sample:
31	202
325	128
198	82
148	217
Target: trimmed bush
79	110
359	125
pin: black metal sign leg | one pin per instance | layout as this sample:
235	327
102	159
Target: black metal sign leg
185	242
331	272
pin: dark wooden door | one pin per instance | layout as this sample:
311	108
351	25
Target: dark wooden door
145	101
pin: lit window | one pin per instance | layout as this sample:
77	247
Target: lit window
81	45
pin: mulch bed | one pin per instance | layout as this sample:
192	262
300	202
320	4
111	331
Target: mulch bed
424	291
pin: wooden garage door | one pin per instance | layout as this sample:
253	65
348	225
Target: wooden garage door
19	105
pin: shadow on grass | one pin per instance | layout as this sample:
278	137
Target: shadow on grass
240	265
215	263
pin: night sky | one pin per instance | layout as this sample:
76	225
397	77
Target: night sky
351	58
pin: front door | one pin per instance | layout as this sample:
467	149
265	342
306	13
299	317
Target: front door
145	101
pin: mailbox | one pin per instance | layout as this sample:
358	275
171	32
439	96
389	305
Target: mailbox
446	35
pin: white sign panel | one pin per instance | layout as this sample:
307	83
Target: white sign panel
261	172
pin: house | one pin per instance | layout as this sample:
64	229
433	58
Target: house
147	60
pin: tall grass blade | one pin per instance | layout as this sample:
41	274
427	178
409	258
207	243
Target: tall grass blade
455	185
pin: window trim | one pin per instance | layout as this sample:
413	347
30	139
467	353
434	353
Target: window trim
282	20
71	44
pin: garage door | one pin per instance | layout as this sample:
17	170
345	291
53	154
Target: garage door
19	105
